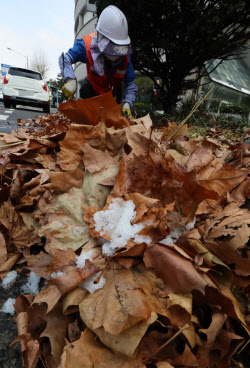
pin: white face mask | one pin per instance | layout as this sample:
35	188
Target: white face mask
112	58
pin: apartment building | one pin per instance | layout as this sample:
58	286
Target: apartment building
85	22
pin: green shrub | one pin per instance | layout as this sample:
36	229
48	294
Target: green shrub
141	108
234	109
200	121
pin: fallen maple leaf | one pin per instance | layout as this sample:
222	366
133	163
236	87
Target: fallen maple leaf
221	179
64	224
227	235
167	262
181	132
95	160
56	331
60	286
93	110
88	352
168	184
126	309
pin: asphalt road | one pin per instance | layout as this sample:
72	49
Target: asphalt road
9	117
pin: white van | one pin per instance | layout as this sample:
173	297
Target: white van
25	87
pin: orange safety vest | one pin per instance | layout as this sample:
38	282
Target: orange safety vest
103	84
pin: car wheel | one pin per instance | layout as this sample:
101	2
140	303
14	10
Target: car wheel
46	109
6	104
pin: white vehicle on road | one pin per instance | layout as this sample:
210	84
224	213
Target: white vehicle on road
25	87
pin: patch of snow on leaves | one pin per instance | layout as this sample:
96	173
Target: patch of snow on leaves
8	306
80	260
57	224
116	223
91	286
57	274
142	239
77	230
9	279
176	233
190	226
32	285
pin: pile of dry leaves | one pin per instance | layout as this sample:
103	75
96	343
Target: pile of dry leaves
140	241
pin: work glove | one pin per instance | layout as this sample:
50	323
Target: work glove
69	88
126	110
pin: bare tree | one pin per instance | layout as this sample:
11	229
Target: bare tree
40	63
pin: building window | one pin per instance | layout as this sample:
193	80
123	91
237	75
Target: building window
92	2
87	17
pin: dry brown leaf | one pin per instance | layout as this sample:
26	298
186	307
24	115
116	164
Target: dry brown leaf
3	250
72	299
30	347
60	286
157	345
142	204
187	359
179	308
185	147
93	110
211	332
167	184
56	331
176	156
139	144
145	122
71	153
126	342
181	132
167	263
222	273
88	352
227	235
163	365
198	159
126	309
7	265
227	343
63	181
221	179
95	160
207	207
95	193
57	261
22	227
30	350
240	193
74	278
64	225
49	295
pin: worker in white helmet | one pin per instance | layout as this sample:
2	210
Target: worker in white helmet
107	57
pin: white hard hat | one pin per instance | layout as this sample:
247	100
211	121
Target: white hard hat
113	24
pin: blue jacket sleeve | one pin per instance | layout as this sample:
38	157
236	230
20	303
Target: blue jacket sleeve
75	54
78	52
131	89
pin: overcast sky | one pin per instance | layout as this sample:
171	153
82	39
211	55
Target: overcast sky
28	26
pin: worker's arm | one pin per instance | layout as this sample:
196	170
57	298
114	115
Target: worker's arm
75	54
131	89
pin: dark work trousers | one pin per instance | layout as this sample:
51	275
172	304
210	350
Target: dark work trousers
87	91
